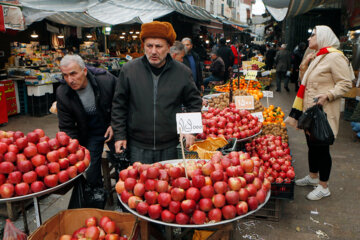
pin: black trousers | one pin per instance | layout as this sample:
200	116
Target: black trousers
319	159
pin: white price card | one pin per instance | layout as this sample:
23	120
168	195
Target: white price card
269	94
188	123
357	98
259	115
244	102
251	75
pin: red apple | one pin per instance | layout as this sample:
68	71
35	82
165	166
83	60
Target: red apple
129	184
13	148
228	212
38	160
218	200
243	194
72	171
174	207
241	208
4	148
151	197
205	204
54	167
22	189
92	233
220	187
53	156
139	189
207	191
63	176
261	196
43	147
252	203
182	218
104	220
80	166
64	163
232	197
251	189
150	184
63	152
7	190
198	181
142	208
18	134
33	137
177	194
207	169
234	183
199	217
154	211
167	216
161	186
37	186
15	177
215	215
152	173
91	222
51	180
193	194
6	167
188	206
39	132
164	199
63	139
73	159
183	183
29	177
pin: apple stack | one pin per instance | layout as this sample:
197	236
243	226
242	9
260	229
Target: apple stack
219	189
276	158
34	162
229	123
106	230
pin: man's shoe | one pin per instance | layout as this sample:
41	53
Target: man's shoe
278	90
318	193
287	89
307	180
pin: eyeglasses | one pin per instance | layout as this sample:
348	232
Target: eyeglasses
313	34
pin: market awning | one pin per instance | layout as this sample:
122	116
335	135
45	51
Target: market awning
280	9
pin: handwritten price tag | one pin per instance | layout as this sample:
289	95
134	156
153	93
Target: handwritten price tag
244	102
269	94
251	75
259	115
188	123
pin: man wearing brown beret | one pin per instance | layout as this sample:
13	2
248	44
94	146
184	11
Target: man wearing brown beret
149	93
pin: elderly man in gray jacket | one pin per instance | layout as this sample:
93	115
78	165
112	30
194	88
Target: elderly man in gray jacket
283	64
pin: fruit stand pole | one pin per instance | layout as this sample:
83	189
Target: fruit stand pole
182	151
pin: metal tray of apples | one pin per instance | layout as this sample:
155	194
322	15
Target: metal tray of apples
41	193
176	161
250	137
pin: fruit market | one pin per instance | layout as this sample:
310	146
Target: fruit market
177	119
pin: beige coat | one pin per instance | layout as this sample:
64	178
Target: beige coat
332	76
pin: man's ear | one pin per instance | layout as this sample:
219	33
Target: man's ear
85	71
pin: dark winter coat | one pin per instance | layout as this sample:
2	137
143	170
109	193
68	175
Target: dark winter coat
144	113
71	113
199	77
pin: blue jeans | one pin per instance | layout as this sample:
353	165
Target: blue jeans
355	126
95	145
212	78
151	156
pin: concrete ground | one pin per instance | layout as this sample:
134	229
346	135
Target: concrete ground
335	217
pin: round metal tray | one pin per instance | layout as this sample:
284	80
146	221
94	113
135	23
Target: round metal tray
248	138
175	161
38	194
209	96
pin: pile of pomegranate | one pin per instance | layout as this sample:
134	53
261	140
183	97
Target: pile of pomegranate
219	189
32	163
106	229
229	123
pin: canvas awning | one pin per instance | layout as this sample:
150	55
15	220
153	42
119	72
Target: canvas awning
92	13
280	9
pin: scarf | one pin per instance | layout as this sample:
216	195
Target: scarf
297	107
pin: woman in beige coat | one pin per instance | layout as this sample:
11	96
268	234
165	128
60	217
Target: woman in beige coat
326	74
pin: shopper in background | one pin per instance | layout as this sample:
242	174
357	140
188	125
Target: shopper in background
217	69
270	56
149	93
325	74
84	110
227	56
192	60
177	51
283	64
237	58
296	61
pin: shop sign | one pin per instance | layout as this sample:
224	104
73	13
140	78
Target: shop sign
244	102
13	17
188	123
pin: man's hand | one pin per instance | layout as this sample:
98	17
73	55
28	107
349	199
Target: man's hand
109	134
119	144
190	140
322	99
202	88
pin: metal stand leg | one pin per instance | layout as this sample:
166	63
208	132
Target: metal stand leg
26	227
37	212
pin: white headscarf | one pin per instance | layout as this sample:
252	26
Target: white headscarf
326	37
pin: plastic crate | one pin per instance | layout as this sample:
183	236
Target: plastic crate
282	190
270	212
350	105
39	106
22	91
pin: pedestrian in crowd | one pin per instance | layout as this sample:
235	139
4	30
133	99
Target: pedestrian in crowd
192	60
217	69
296	61
227	56
237	58
177	51
283	64
84	105
270	56
325	74
149	93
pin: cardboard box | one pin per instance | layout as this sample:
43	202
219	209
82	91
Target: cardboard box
68	221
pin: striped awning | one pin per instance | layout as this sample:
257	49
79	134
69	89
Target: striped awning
280	9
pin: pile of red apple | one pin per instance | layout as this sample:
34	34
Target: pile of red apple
34	162
215	190
276	158
229	123
106	230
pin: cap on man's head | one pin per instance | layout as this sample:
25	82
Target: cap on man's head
283	45
157	29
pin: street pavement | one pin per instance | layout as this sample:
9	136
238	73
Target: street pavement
335	217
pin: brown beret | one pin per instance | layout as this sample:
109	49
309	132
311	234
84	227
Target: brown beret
158	29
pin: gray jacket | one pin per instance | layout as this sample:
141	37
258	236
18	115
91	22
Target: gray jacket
283	60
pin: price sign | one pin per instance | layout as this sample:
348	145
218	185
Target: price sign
251	75
269	94
259	115
188	123
265	73
246	65
244	102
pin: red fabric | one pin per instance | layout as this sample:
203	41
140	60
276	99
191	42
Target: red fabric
2	21
323	51
301	91
236	55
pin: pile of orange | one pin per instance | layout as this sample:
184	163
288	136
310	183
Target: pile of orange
273	115
252	87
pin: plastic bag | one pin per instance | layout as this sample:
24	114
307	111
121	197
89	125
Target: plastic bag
12	233
85	195
306	119
321	132
207	148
